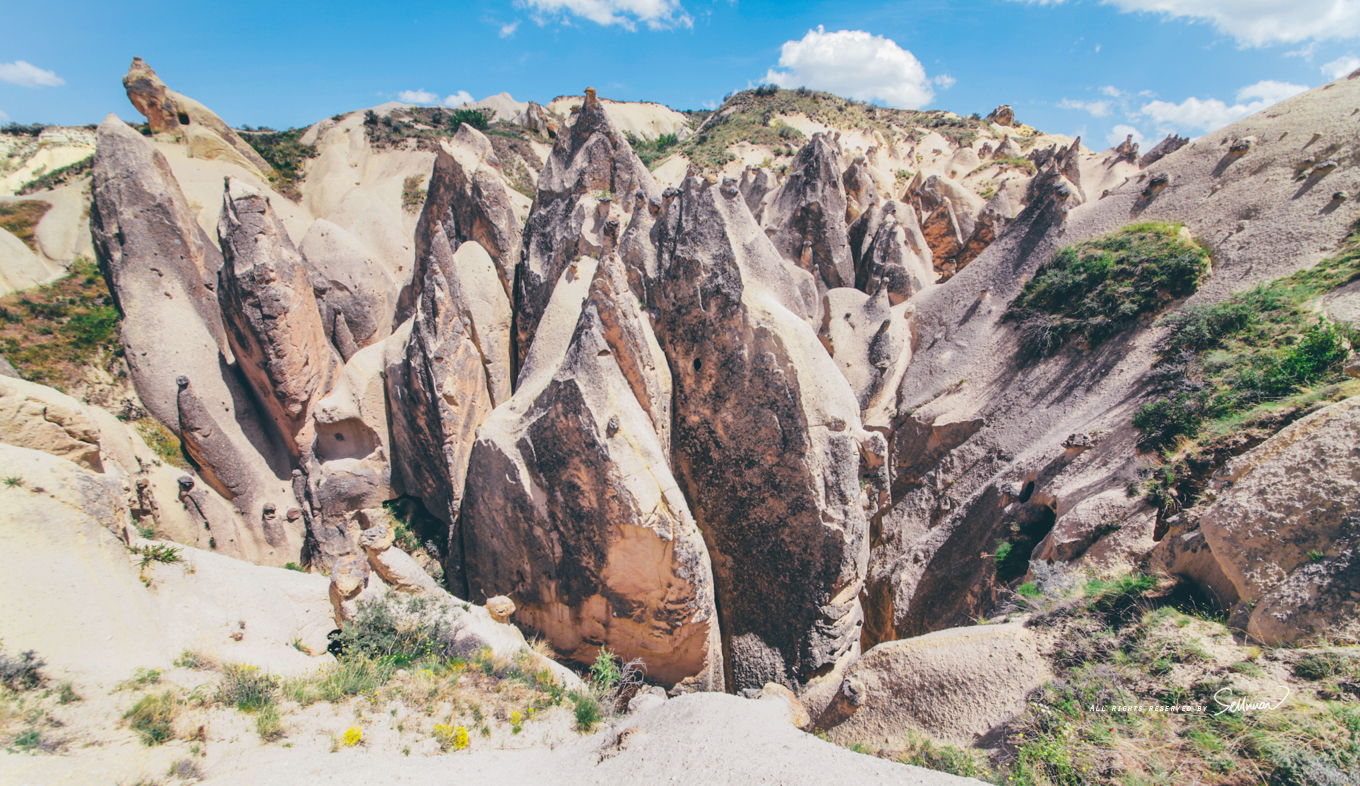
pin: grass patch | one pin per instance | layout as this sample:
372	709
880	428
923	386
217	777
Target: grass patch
285	153
51	333
247	688
162	441
21	219
153	717
1097	288
160	553
58	177
412	195
1008	162
1262	345
21	672
652	151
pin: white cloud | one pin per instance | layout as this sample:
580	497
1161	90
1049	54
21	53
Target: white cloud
1341	66
28	75
1211	114
417	97
1096	108
854	64
656	14
710	105
509	30
1119	133
458	99
1305	52
1112	91
1256	22
4	118
945	81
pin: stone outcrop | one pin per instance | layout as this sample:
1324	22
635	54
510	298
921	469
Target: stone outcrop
1283	525
807	215
467	200
162	270
953	685
890	252
437	393
354	292
1162	149
586	190
756	184
539	120
169	112
766	440
274	324
1002	116
860	190
571	507
866	337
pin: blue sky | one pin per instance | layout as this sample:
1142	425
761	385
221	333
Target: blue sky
1067	66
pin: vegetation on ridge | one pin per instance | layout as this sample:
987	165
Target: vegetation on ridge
285	152
21	219
1231	374
1096	288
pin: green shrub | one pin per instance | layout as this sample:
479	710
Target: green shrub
412	195
246	687
22	672
268	723
652	151
1321	665
153	717
286	154
587	710
479	119
399	629
58	177
1097	288
605	671
1264	345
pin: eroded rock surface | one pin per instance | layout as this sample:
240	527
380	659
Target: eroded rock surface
766	440
572	509
270	308
808	215
588	182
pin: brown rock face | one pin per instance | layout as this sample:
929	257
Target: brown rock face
468	200
1284	528
158	263
437	393
274	325
808	215
1002	115
766	441
572	510
591	179
168	111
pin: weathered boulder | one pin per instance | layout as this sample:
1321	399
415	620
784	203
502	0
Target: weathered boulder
953	685
437	393
756	184
539	120
861	193
269	306
169	112
354	292
1002	115
571	508
1285	528
352	583
890	252
766	440
807	215
396	567
481	304
588	182
468	200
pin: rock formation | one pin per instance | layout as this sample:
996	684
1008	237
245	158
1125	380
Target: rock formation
354	292
587	182
807	215
274	324
570	496
169	112
437	392
468	200
766	440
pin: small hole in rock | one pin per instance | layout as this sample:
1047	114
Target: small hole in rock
339	437
698	364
